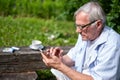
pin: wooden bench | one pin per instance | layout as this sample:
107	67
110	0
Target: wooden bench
22	64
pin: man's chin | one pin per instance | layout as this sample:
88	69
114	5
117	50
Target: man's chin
84	38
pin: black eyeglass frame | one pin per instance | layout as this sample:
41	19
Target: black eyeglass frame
81	27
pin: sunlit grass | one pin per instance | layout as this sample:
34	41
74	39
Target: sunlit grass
21	31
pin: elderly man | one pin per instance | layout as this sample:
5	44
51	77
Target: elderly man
96	54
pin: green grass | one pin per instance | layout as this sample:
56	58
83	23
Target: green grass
21	31
45	75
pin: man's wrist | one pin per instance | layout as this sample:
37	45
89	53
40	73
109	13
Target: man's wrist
64	68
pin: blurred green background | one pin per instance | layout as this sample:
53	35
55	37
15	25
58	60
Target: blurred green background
50	21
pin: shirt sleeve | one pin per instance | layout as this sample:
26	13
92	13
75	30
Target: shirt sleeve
106	66
75	49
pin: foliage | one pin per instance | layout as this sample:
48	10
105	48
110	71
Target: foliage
72	6
111	8
114	15
58	9
40	8
47	75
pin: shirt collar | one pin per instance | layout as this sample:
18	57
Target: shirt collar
103	36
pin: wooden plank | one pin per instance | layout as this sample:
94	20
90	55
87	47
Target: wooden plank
22	67
23	60
18	76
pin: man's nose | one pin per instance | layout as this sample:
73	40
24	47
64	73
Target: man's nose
78	30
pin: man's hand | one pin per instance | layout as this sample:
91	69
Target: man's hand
52	57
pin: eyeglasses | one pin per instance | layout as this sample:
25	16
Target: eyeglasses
81	27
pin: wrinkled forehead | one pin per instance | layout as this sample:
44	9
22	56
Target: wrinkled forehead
82	17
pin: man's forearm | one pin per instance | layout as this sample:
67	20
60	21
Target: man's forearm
72	74
67	61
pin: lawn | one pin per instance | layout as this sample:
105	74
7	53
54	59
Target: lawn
21	31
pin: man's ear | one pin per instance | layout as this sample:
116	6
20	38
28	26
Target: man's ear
99	24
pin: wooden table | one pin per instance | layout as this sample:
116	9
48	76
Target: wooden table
22	64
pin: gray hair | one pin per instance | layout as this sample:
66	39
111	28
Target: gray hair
94	10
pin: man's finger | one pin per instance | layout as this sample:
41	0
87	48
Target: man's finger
44	56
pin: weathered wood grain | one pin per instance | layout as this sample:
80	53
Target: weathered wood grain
23	60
